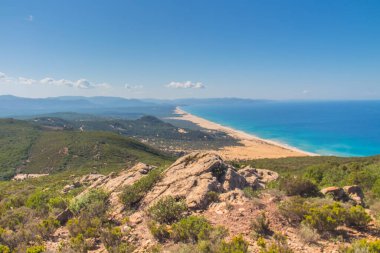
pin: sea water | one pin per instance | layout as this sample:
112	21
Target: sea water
342	128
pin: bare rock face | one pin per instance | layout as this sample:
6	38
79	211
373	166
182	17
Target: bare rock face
193	176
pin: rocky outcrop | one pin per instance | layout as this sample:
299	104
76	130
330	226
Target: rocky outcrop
112	184
352	193
193	176
355	194
22	177
258	178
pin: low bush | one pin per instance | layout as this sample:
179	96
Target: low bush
277	245
132	194
159	231
47	227
356	216
236	245
212	197
260	225
12	219
57	202
294	209
87	227
191	229
94	200
4	249
308	235
325	218
39	200
78	244
214	240
112	240
250	193
35	249
363	245
293	186
167	210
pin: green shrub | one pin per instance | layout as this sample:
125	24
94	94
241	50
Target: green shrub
167	210
308	235
39	201
132	194
376	188
260	225
212	197
87	227
57	202
93	198
293	186
357	217
250	193
214	241
78	244
159	231
237	245
191	229
47	227
326	218
362	246
4	249
35	249
294	209
277	245
112	240
12	219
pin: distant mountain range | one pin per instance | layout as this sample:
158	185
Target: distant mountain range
12	106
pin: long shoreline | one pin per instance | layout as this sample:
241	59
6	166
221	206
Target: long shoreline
252	147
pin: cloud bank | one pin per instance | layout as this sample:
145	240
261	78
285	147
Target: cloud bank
185	85
79	84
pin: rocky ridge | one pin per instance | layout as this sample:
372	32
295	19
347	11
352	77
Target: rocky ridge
192	178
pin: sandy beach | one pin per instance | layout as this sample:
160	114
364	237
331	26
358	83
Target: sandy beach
252	146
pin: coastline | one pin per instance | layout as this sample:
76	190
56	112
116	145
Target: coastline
252	147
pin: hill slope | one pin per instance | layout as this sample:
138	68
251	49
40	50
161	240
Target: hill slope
27	148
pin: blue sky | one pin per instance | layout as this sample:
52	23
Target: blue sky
275	49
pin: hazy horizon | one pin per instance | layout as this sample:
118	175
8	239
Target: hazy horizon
303	50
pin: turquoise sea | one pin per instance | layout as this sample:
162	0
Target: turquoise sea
342	128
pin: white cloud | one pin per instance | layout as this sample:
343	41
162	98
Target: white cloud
305	92
79	84
26	81
133	87
103	85
185	85
4	78
30	18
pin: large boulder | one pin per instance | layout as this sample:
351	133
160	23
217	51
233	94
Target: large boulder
352	193
193	176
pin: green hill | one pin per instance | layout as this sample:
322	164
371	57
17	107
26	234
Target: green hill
27	148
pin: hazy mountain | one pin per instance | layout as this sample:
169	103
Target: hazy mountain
11	106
